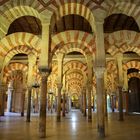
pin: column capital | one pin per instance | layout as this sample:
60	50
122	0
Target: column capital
99	17
99	22
89	83
44	69
119	57
99	72
59	85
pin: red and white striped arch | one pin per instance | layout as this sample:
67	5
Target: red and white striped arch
75	75
70	47
111	67
77	9
13	67
129	8
19	49
10	44
9	13
75	65
133	75
132	64
122	41
73	36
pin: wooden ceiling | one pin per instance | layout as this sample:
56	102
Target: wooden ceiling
72	22
118	22
112	23
26	24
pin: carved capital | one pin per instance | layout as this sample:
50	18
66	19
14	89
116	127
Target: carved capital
59	85
99	72
44	69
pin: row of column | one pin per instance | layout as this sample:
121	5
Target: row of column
99	72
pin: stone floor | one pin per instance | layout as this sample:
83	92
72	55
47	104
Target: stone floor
73	127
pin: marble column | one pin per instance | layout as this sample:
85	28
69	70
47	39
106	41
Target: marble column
60	57
120	104
100	62
84	102
31	63
100	100
126	91
59	103
81	107
119	59
23	102
9	100
2	98
42	116
28	119
44	63
64	99
105	95
112	102
89	85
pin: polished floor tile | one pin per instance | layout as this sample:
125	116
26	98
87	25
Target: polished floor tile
73	127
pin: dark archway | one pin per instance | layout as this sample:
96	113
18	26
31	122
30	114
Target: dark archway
27	24
72	22
134	95
117	22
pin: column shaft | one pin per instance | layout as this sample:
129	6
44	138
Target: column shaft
84	103
64	105
42	115
29	105
59	103
120	104
112	103
23	101
89	104
100	106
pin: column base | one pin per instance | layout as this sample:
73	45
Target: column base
42	134
63	114
85	114
121	119
42	128
106	115
22	114
89	118
101	131
126	113
58	118
28	120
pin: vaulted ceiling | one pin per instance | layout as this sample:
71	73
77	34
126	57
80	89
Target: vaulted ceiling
112	23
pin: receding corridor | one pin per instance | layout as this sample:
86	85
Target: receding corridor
73	127
70	69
